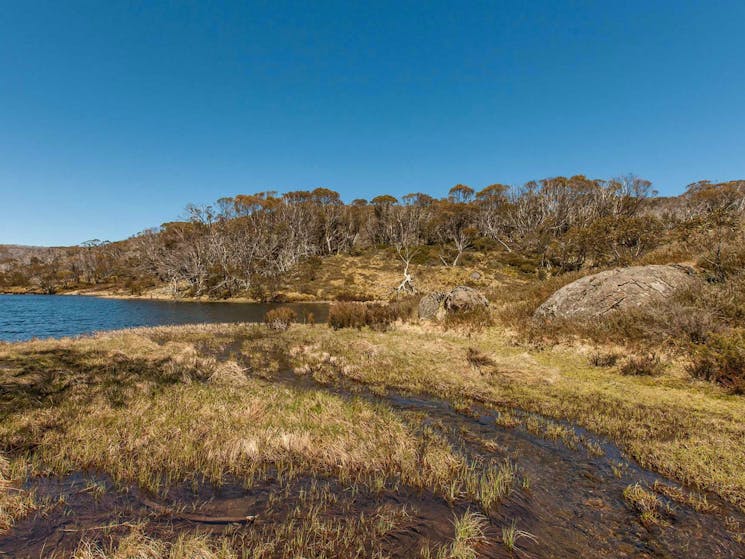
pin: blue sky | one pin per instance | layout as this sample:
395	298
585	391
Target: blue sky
114	115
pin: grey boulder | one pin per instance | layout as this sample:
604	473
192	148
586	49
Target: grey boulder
612	290
430	305
462	299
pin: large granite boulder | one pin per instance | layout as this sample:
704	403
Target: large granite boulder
435	305
622	288
464	298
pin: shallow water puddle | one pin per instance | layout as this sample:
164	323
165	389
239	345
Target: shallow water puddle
572	501
93	508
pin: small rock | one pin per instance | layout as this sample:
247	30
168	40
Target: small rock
430	304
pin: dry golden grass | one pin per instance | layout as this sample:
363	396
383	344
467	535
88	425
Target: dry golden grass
689	430
645	503
15	503
161	406
375	274
140	546
469	532
150	410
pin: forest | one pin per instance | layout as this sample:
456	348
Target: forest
245	245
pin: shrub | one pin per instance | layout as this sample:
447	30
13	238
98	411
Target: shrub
347	315
405	308
642	365
722	360
472	320
477	359
280	318
599	359
377	316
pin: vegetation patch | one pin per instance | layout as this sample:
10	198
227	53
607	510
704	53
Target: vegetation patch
280	318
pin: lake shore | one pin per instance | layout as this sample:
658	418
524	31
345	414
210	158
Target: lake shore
160	295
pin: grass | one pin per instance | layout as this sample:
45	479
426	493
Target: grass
689	430
644	502
14	502
138	545
511	537
156	409
469	533
160	407
226	425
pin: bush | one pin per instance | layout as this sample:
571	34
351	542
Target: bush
722	360
644	365
405	308
280	318
599	359
347	315
477	359
377	316
472	320
309	318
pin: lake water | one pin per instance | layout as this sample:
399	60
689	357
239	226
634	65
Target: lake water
23	317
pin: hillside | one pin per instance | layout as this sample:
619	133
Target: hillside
312	245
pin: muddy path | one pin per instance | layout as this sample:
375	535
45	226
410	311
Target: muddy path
568	494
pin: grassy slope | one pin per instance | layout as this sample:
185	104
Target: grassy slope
372	275
690	430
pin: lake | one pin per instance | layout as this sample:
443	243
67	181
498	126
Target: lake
23	317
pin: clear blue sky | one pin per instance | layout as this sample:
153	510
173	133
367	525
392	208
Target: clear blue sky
114	115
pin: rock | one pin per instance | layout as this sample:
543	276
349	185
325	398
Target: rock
622	288
475	276
430	304
464	298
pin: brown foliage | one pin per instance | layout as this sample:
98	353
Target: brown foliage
600	359
722	360
280	318
642	365
378	316
472	320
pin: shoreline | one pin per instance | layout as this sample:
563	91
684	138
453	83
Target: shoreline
164	297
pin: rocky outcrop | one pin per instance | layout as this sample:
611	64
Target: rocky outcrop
460	299
622	288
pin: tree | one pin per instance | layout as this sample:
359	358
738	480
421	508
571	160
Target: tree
492	204
455	224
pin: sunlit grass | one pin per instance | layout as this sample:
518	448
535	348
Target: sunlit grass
688	430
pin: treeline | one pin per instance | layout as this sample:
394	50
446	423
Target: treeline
248	243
